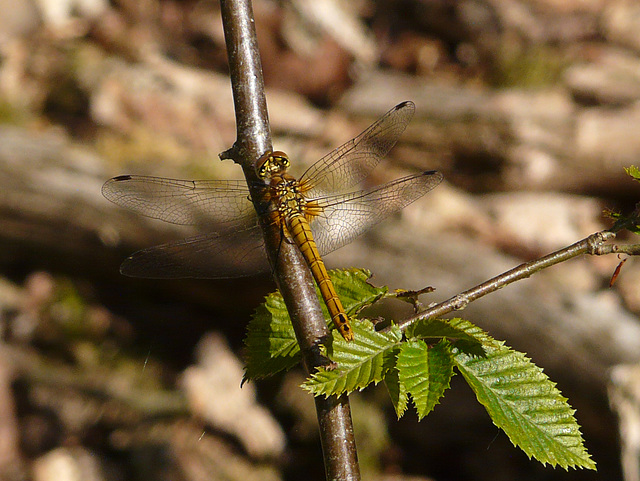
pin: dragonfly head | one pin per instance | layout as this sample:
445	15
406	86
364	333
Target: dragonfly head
272	163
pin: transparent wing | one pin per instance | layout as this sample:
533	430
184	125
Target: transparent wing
207	203
352	162
346	216
208	256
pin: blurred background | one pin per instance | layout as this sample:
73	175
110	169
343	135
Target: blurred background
528	107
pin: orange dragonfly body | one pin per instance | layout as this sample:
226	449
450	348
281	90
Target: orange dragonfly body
314	211
294	214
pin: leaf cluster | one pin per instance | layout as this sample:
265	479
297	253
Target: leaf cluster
271	342
417	366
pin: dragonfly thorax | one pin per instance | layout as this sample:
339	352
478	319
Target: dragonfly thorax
284	189
286	194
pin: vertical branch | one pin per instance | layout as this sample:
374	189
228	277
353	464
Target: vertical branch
290	270
253	136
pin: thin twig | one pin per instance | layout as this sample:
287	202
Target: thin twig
629	249
594	244
291	272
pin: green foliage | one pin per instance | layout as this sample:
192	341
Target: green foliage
633	171
397	391
419	364
518	396
629	222
363	361
271	342
523	402
424	372
453	329
623	222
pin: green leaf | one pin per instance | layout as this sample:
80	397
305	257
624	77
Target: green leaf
474	333
523	402
629	222
444	329
354	290
397	392
625	222
633	171
271	342
360	362
425	372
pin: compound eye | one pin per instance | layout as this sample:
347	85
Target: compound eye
282	159
263	164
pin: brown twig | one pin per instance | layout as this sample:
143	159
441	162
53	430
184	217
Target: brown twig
594	245
290	270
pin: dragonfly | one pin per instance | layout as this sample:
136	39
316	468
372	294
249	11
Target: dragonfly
318	212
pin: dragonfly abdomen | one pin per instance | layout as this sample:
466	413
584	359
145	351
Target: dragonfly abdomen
300	230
